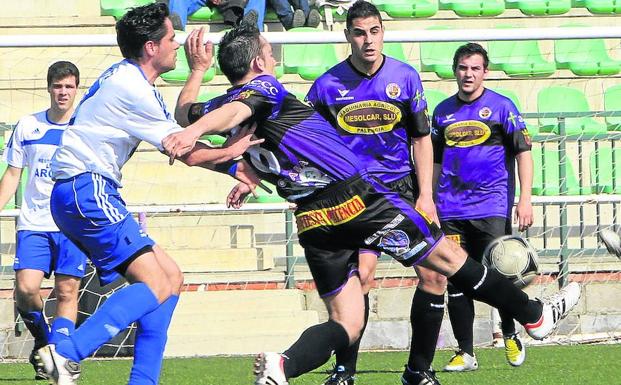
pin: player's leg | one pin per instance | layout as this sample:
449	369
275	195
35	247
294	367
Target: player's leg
151	335
346	358
426	316
336	277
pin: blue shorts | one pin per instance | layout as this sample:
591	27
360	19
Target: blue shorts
48	251
89	210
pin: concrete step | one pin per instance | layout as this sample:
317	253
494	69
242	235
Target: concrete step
246	259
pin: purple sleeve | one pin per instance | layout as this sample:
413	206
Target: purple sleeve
418	118
437	139
517	137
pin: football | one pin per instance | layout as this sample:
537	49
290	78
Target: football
514	258
612	241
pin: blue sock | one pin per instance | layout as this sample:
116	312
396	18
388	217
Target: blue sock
121	309
62	328
150	343
35	322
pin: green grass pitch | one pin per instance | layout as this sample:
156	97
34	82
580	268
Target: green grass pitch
547	365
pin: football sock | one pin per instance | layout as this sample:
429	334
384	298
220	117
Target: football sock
62	328
348	356
487	285
426	318
121	309
461	314
35	322
314	348
507	324
150	342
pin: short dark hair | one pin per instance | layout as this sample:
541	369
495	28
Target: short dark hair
139	25
237	49
470	49
362	9
62	69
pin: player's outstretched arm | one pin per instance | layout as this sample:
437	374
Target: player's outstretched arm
524	209
199	56
9	184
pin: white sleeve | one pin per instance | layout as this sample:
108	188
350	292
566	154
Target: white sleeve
149	120
14	151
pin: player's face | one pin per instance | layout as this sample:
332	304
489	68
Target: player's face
62	93
166	54
266	56
366	37
470	73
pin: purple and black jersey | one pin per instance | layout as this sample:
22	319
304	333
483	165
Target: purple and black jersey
302	152
476	144
375	115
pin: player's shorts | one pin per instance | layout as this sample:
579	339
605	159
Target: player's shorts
474	235
408	188
89	210
359	212
48	251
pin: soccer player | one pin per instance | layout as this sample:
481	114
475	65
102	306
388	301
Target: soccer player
378	106
121	109
340	208
478	134
41	247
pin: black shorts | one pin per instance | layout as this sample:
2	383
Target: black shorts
474	235
359	212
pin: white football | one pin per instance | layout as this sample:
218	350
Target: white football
612	241
514	258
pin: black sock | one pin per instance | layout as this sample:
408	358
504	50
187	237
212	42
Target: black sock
507	324
426	319
487	285
348	356
38	327
314	348
461	314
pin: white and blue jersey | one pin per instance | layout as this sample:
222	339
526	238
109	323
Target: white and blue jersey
40	245
118	112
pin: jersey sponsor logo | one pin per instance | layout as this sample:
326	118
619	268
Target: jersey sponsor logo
454	237
467	133
485	113
393	90
330	216
368	117
264	85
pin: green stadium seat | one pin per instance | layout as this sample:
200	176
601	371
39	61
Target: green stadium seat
182	71
612	102
533	129
470	8
308	60
585	57
264	196
603	6
558	99
519	58
438	57
434	97
407	8
605	171
546	178
118	8
395	51
540	7
205	14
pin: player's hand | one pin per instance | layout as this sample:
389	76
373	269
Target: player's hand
425	204
238	194
198	54
242	141
524	215
178	144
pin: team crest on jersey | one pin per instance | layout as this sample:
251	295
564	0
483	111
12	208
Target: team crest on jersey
244	95
393	90
466	133
485	113
368	117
